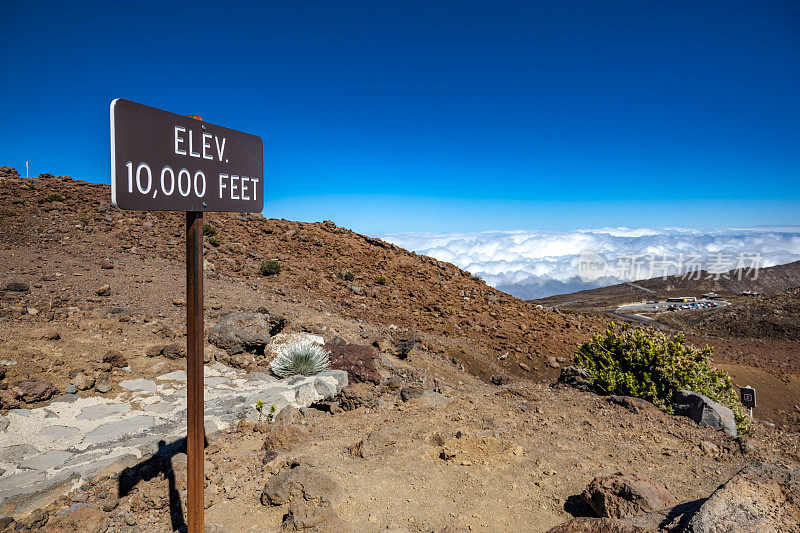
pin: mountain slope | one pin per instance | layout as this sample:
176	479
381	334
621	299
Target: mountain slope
420	294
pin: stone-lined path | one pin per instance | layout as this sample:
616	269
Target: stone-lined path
75	437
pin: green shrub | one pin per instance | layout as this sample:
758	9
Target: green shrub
53	197
346	275
476	277
654	366
213	240
209	230
301	358
270	267
380	280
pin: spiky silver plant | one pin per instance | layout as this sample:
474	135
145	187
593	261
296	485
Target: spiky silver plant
300	358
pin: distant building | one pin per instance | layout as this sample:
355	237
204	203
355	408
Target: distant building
682	299
712	296
751	294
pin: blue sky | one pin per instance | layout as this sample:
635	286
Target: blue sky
438	116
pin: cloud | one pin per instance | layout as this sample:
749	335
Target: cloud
534	264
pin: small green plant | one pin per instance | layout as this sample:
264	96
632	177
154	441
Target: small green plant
53	197
380	280
651	365
346	275
301	358
476	277
209	230
271	415
270	267
259	408
213	241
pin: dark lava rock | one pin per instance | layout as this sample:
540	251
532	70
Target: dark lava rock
622	495
239	331
358	361
576	377
36	391
115	359
409	393
16	286
173	351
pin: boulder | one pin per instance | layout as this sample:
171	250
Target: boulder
36	390
115	359
760	497
622	495
634	405
281	437
305	516
103	384
358	361
576	377
173	351
16	286
103	290
704	411
409	393
287	416
596	525
82	381
239	331
376	443
301	482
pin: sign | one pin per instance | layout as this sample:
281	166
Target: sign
748	396
161	161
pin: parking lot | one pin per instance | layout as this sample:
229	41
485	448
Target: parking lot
659	306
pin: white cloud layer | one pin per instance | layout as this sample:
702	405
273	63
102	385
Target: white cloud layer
535	264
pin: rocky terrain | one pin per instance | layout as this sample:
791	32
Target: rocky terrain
450	418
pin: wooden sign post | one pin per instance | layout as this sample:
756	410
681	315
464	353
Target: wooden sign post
203	167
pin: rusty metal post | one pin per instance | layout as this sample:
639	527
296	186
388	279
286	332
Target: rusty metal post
195	435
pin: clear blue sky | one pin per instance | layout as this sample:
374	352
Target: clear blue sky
438	116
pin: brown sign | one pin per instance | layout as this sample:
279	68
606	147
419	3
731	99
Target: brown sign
748	397
161	161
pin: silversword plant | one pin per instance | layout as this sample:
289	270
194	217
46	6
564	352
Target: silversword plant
301	358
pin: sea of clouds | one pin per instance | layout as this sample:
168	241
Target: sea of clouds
535	264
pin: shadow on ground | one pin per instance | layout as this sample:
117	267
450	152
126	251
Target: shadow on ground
160	463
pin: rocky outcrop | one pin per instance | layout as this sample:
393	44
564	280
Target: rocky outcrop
8	172
622	495
705	411
760	497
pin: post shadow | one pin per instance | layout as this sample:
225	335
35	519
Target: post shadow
159	463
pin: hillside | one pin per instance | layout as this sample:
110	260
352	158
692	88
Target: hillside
775	317
451	422
769	281
59	215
